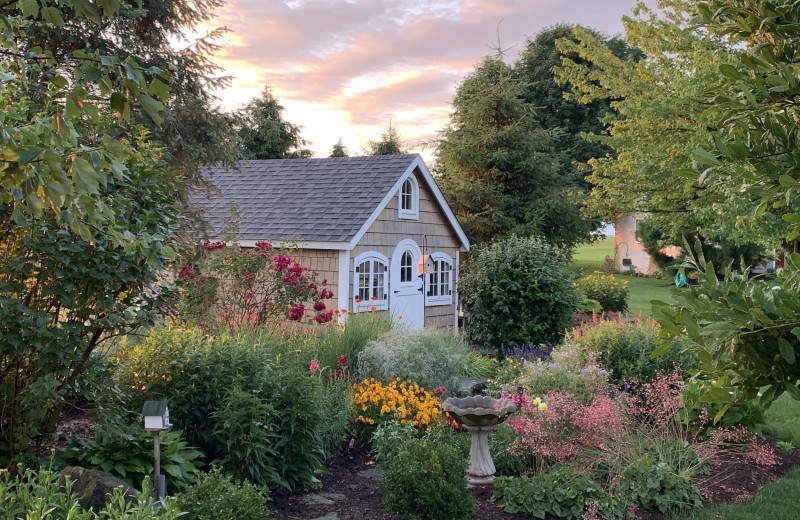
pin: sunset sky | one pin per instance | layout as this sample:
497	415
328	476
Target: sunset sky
345	68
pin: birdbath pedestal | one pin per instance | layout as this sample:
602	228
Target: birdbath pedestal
479	415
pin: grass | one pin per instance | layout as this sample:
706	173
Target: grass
641	289
783	420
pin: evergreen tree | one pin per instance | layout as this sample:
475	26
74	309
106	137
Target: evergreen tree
497	167
339	149
264	132
390	143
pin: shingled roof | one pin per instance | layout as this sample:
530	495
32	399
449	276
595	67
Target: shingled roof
325	200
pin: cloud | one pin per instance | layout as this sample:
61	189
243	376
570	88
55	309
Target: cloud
369	60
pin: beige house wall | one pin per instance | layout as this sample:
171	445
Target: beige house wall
626	245
431	232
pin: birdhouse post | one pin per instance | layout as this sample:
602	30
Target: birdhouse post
156	420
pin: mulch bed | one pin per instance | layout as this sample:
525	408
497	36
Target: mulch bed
732	480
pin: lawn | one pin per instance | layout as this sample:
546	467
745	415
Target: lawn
642	289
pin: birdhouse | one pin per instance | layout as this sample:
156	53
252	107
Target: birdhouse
156	416
425	264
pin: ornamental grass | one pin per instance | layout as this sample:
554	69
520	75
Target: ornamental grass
405	401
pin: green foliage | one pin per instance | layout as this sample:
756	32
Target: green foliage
506	464
651	484
744	332
339	149
86	203
571	371
62	295
220	388
265	134
389	436
626	349
126	450
390	143
39	495
431	358
612	294
216	495
478	366
516	292
561	492
427	481
659	119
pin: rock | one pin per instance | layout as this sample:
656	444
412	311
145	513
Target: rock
373	473
473	386
324	499
92	487
329	516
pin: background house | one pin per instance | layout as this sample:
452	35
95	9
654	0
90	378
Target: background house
377	228
629	253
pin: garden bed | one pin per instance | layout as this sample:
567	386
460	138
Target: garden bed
352	489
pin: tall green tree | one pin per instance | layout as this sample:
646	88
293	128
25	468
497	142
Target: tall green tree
746	332
658	119
497	167
570	119
87	194
389	143
339	149
265	134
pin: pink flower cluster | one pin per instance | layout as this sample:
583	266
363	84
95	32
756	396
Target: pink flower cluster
566	428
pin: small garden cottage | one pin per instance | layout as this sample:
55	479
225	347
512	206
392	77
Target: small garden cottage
377	228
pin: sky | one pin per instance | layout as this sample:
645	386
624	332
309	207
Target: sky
344	69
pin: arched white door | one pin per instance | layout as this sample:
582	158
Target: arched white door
406	301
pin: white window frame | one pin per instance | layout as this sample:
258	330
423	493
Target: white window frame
440	299
367	304
411	213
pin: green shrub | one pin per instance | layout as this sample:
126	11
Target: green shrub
561	492
569	371
126	450
625	349
216	496
39	495
605	289
516	292
206	379
431	358
427	481
389	436
505	463
649	483
479	366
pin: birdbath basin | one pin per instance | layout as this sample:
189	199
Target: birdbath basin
479	415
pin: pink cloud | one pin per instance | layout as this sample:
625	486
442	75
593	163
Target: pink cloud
314	50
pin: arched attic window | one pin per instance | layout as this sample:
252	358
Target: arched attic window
408	199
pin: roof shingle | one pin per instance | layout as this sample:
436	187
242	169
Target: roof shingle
325	200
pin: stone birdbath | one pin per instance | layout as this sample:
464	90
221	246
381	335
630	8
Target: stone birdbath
479	415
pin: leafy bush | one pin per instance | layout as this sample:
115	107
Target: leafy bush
126	450
561	492
649	483
506	463
375	403
516	292
39	495
478	366
218	496
388	437
570	371
625	349
606	289
433	358
427	481
220	387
